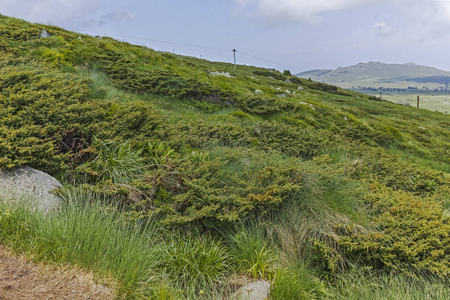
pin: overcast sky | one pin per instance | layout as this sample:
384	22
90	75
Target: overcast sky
284	34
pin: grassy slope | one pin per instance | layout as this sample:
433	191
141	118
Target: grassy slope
221	155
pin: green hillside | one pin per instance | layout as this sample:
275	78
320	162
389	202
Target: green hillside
180	182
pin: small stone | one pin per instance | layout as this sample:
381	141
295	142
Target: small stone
270	77
300	88
278	89
44	34
258	290
287	80
281	95
259	92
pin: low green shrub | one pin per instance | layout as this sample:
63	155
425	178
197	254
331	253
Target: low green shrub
18	31
216	199
275	74
410	236
47	120
322	87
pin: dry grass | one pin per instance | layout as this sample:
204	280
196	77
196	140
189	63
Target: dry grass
22	279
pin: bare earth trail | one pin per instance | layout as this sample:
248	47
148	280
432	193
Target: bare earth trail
24	280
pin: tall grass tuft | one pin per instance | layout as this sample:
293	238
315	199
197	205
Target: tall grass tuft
119	162
195	264
86	234
296	283
252	250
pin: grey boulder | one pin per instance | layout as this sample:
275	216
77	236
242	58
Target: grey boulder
257	290
30	186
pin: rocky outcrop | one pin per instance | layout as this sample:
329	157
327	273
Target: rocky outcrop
30	186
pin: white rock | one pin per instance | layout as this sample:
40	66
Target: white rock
225	74
29	185
258	290
44	34
259	92
300	88
281	95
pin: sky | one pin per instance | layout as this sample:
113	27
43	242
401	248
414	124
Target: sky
297	35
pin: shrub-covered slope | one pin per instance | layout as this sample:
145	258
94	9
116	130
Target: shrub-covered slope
328	176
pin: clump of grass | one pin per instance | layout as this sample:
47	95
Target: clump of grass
119	162
101	86
296	283
194	264
252	250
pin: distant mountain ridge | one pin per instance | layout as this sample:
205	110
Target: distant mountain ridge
379	73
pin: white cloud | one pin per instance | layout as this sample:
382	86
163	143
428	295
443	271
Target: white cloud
240	5
121	16
59	12
299	10
66	13
382	29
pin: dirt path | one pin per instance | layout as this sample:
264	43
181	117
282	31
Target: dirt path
23	280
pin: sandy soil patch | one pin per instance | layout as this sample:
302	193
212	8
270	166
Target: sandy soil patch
21	279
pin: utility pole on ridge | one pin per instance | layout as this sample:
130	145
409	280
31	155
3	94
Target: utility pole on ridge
234	55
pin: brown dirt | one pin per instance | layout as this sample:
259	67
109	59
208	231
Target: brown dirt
21	279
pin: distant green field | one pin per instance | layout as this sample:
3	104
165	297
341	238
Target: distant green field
433	102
